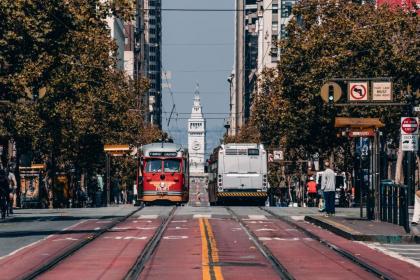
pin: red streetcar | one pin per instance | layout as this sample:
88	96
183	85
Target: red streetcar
163	173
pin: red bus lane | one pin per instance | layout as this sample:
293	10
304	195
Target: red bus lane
178	255
395	268
303	257
24	261
111	255
237	257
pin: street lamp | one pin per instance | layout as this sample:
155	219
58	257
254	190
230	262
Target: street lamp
230	81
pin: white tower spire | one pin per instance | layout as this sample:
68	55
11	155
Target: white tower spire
196	135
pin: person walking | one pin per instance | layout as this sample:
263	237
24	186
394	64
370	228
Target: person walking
4	192
12	188
416	216
328	188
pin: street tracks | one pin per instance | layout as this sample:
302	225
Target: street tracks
150	248
264	250
342	252
51	264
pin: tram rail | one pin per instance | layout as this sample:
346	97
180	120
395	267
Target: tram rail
359	262
264	250
149	249
53	263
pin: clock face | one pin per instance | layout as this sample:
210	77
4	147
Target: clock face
196	145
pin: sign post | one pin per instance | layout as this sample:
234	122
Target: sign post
409	140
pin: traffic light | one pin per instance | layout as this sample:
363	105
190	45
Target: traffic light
330	94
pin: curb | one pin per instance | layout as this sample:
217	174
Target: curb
357	236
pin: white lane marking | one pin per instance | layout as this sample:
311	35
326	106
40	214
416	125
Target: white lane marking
236	229
146	228
66	239
265	229
177	228
97	228
126	237
378	247
257	217
121	228
257	222
196	216
38	241
103	222
278	239
174	237
179	221
141	217
298	218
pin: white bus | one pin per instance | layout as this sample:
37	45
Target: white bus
238	171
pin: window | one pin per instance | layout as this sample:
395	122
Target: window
286	9
153	165
171	165
253	152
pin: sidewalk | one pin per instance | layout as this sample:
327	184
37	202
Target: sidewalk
363	230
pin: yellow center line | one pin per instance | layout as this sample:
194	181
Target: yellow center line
209	253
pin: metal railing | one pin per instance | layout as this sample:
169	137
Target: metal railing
394	204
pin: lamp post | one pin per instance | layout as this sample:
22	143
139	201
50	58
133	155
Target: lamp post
231	121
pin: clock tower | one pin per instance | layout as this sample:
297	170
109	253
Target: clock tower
196	136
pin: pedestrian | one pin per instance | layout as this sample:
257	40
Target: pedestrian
328	188
12	188
416	215
311	191
4	192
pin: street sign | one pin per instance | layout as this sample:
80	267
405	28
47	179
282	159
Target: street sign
381	91
270	157
358	91
362	133
278	155
409	125
417	109
337	92
410	143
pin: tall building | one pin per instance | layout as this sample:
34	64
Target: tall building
117	30
260	24
129	50
148	56
246	52
196	136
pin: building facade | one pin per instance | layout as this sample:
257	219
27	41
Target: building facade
148	56
260	24
196	137
117	31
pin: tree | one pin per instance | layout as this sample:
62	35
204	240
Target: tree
66	48
328	40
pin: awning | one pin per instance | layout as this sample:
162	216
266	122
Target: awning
358	122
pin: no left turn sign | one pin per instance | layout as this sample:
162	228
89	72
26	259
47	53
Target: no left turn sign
358	91
409	125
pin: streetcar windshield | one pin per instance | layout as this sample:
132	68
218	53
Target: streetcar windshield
172	165
153	165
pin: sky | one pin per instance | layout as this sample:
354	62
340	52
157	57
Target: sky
197	47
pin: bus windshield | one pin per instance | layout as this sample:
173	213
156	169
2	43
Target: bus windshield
153	165
172	165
